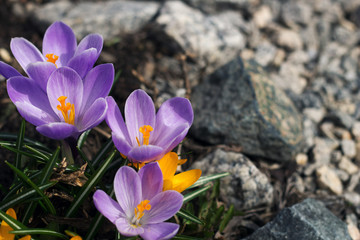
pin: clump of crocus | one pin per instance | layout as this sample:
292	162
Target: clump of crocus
59	49
142	206
179	182
5	229
145	136
68	106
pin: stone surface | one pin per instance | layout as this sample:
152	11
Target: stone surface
307	220
110	19
246	187
328	179
239	105
212	39
348	166
348	147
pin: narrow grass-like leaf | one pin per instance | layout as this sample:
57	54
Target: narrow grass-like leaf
195	193
102	152
19	143
24	196
15	224
90	184
39	231
83	138
83	156
26	179
227	217
38	153
22	152
96	223
205	179
116	78
28	141
48	169
189	216
182	237
15	188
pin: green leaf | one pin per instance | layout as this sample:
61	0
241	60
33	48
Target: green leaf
26	179
227	217
83	156
189	216
102	152
88	187
182	237
22	152
19	144
15	188
15	224
38	153
28	141
17	199
205	179
83	138
39	231
195	193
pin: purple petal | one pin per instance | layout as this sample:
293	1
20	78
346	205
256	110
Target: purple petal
163	206
161	231
57	130
126	229
139	111
31	101
145	153
65	82
97	83
94	115
8	71
25	52
116	122
121	144
127	186
107	206
59	39
83	62
90	41
172	138
173	113
151	180
40	72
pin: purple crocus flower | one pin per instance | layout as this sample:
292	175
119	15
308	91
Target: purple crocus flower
141	206
59	49
67	105
147	137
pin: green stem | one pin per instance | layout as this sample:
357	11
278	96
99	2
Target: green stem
66	152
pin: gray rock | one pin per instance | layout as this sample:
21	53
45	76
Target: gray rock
323	148
348	147
109	18
239	105
212	40
294	13
265	53
307	220
246	187
214	6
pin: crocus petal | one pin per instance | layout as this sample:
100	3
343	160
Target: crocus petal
127	186
168	165
97	83
116	122
40	72
59	39
163	206
83	62
172	138
184	180
90	41
151	180
139	111
94	115
5	228
145	153
8	71
172	114
31	101
107	206
121	144
57	130
25	52
65	82
161	231
126	229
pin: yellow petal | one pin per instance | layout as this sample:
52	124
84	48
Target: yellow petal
27	237
76	238
182	161
5	228
184	180
168	165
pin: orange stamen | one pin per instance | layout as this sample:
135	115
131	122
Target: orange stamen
145	130
52	58
64	108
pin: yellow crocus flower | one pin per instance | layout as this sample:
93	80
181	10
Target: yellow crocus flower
178	182
5	228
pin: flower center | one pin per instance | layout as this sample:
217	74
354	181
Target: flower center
64	108
139	212
145	130
52	58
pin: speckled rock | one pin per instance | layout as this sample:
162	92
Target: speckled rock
307	220
246	187
239	105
